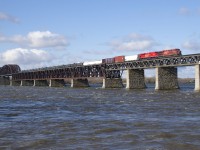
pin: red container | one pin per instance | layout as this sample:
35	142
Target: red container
119	59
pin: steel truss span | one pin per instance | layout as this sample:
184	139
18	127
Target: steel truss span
76	72
186	60
112	70
9	69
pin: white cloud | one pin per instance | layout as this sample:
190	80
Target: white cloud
27	58
7	17
46	39
133	42
184	11
38	39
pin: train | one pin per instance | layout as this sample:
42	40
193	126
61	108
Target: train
142	56
116	59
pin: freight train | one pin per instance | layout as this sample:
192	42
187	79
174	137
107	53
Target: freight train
117	59
149	55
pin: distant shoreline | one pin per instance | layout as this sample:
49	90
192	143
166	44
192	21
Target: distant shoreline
180	80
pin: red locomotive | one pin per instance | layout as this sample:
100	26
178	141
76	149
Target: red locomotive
163	53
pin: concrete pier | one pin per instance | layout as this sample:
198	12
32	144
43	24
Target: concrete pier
40	83
112	83
27	83
76	83
197	78
166	78
135	79
15	83
56	83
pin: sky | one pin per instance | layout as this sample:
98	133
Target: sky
42	33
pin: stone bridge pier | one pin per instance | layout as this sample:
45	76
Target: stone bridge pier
166	78
197	78
135	79
75	83
16	83
27	83
56	82
40	83
4	80
112	83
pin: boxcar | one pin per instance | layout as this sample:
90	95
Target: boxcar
119	59
131	58
108	60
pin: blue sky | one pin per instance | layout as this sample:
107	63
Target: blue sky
40	33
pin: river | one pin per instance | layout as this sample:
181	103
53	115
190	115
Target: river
47	118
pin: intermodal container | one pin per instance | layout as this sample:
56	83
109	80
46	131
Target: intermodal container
119	59
131	58
92	63
108	60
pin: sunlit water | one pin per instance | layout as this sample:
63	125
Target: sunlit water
93	118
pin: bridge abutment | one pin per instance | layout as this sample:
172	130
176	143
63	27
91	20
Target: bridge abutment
75	83
56	82
166	78
27	83
197	78
135	79
40	83
112	83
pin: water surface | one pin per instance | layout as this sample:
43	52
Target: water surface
94	118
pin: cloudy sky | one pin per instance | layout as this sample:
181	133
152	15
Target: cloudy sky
40	33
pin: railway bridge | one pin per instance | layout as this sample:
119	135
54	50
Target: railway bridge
110	73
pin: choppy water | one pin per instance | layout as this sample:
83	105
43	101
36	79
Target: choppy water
93	118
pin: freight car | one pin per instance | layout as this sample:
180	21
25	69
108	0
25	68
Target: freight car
115	59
